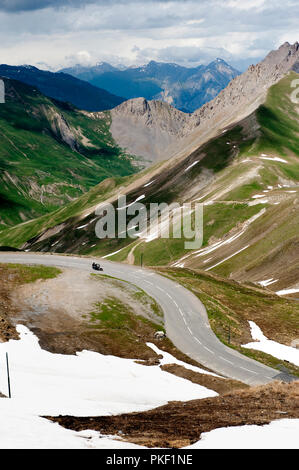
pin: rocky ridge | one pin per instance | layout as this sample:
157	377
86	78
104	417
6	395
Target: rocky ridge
157	131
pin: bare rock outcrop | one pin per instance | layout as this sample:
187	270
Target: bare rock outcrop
147	128
157	131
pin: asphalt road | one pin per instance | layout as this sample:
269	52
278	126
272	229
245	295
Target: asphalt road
186	319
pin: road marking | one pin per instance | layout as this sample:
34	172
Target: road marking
189	330
196	339
172	300
248	370
209	350
226	360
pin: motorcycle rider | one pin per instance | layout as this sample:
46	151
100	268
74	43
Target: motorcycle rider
96	266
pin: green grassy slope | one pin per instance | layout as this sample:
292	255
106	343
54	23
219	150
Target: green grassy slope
230	307
239	174
51	153
225	174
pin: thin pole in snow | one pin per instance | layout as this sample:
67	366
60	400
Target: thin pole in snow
8	377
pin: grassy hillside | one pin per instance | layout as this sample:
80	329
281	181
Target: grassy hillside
247	178
230	307
51	153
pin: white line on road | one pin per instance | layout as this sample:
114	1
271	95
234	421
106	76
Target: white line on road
209	350
226	360
248	370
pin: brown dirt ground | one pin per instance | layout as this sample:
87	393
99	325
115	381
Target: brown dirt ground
7	283
213	383
179	424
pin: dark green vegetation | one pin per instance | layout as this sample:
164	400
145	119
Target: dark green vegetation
63	87
230	306
279	122
50	154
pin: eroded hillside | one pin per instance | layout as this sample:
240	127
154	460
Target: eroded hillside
51	153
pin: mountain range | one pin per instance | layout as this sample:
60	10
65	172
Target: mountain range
63	87
51	153
184	88
238	155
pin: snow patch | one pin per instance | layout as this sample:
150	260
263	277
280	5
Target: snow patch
274	159
148	184
267	282
87	383
262	343
169	359
280	434
287	291
229	257
190	166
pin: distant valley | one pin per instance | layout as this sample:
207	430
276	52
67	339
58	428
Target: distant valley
63	87
187	89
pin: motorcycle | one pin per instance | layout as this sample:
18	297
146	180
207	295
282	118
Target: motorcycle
97	267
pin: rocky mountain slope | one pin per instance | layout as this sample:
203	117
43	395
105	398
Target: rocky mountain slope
184	88
50	153
63	87
245	173
186	132
147	128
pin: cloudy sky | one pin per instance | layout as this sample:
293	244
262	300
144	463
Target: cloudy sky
58	33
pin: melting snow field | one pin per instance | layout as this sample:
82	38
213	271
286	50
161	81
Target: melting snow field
280	434
274	159
262	343
88	384
287	291
92	384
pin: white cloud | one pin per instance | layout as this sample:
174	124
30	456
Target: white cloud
187	32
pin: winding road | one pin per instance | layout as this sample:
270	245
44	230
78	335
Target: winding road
186	319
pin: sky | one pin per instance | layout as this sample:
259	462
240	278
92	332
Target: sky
52	34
